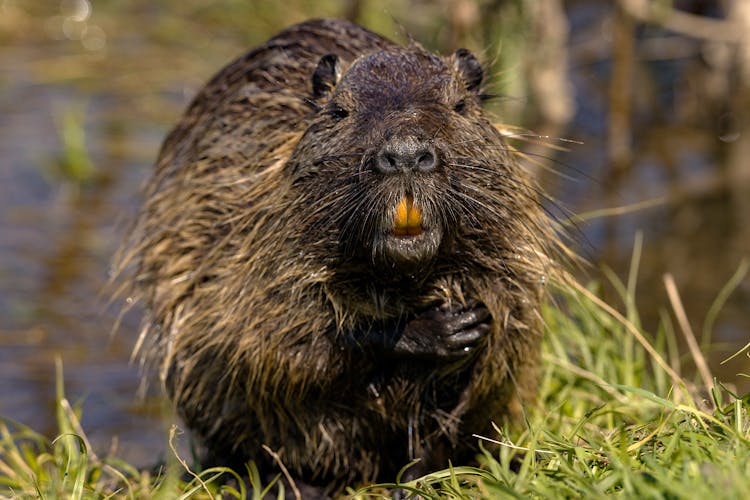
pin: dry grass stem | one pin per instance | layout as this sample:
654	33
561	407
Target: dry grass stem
679	311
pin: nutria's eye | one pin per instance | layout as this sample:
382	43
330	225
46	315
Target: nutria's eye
337	113
460	107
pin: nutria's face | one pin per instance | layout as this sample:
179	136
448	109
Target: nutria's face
390	157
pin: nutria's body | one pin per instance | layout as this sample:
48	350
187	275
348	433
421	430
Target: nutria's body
341	259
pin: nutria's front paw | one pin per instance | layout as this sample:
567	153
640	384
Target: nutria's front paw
448	331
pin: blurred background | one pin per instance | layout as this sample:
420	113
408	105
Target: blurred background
640	120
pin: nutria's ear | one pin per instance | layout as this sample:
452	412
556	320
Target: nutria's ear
468	66
326	75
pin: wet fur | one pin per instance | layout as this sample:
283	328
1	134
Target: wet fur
260	261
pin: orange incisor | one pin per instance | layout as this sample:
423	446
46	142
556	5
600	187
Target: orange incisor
408	221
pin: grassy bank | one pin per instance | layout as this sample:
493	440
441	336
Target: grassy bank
615	417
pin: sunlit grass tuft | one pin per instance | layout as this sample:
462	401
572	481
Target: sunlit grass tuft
31	466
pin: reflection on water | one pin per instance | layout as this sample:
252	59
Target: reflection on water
121	84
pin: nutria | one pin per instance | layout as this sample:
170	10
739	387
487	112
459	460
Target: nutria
341	260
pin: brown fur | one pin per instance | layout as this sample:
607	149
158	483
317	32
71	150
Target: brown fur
259	258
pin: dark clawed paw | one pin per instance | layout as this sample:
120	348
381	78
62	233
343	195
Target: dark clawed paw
449	331
461	330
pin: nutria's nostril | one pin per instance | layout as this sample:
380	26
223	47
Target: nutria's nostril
402	155
386	162
426	161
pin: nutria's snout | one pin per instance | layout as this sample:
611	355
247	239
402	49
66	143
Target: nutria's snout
404	155
407	164
407	161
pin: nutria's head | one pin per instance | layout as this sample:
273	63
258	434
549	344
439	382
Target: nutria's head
398	161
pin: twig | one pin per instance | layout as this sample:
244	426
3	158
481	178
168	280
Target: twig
679	311
172	434
285	471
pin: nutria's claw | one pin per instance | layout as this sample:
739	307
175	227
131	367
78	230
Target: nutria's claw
458	321
444	332
465	340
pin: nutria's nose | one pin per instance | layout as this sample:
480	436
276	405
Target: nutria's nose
405	154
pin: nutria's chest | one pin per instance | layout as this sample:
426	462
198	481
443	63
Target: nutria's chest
406	387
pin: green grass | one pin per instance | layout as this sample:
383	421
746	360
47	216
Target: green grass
612	419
